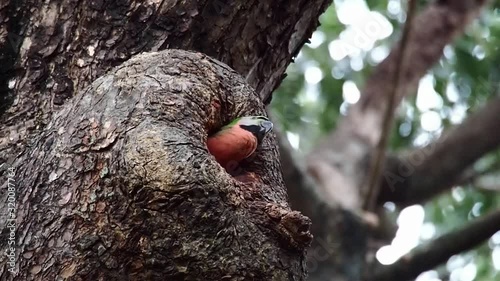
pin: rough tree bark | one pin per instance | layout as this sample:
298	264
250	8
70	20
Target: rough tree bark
130	191
53	49
118	183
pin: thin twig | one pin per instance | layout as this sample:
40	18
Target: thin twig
377	163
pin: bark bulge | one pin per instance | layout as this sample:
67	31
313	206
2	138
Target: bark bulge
130	190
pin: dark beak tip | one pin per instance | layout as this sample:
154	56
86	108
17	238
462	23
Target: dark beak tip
268	126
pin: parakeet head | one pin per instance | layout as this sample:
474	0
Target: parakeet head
238	140
259	126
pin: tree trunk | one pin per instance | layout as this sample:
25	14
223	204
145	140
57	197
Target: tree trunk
112	177
129	189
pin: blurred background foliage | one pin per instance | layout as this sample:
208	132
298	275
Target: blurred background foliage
328	76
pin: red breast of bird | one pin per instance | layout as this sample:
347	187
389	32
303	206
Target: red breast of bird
232	145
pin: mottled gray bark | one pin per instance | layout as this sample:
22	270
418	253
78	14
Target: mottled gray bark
120	184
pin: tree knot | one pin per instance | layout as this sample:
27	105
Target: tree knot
291	225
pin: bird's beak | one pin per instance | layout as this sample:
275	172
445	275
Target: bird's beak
266	126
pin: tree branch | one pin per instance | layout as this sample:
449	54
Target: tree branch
340	162
377	163
437	167
486	179
440	250
339	244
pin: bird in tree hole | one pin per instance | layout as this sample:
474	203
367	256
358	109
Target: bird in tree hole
238	140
